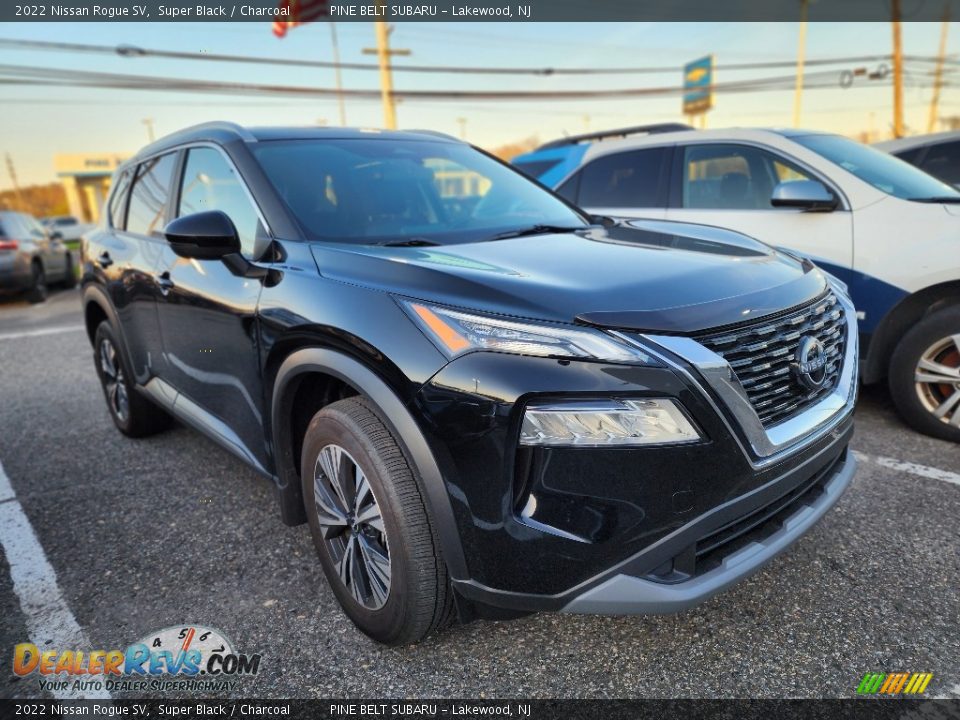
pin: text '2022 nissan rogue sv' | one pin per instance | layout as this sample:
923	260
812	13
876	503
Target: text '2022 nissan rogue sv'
484	403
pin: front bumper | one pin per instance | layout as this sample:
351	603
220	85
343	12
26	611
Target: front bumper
625	594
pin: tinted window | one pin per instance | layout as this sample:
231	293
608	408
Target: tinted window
118	199
733	177
376	190
148	199
570	188
629	179
210	183
885	172
943	162
65	221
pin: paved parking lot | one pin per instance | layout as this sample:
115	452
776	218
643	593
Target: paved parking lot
146	534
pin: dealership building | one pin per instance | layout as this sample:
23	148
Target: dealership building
86	181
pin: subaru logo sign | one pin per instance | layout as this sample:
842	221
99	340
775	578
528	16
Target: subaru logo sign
810	367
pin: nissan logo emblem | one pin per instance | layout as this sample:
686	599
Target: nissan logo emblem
810	367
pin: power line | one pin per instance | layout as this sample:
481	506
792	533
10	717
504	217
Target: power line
61	76
132	51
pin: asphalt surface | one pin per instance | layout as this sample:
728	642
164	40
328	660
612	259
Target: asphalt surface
146	534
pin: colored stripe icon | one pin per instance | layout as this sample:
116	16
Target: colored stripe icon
894	683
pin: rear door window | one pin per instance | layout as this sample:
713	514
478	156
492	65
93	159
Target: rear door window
147	211
118	200
627	179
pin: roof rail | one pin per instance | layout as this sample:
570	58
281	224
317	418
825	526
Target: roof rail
193	131
618	133
436	133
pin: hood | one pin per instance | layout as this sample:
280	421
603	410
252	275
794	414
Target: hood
653	276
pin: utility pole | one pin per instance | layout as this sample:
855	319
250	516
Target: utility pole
462	122
149	123
16	185
801	52
336	73
897	71
384	53
938	73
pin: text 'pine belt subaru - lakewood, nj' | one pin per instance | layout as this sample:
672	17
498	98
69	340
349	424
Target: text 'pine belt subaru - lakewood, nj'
484	403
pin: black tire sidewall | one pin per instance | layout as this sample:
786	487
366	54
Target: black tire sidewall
38	290
105	332
390	623
69	277
903	365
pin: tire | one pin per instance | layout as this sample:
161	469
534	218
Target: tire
132	413
38	286
931	407
70	273
416	597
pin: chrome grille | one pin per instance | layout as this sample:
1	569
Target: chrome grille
761	354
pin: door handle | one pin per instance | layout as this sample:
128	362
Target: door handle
105	260
165	283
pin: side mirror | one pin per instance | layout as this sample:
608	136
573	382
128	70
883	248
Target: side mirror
804	194
56	235
204	236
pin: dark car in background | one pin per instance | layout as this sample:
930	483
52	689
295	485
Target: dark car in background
484	402
32	257
937	154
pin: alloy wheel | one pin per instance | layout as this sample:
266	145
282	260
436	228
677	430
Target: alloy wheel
114	380
351	524
937	379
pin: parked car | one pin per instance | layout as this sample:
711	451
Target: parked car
888	230
937	154
31	257
483	403
69	228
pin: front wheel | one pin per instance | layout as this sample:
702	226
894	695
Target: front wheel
925	375
370	526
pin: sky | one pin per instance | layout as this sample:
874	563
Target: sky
39	122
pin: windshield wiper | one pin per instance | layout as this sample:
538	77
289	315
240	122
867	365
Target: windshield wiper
537	230
409	242
946	199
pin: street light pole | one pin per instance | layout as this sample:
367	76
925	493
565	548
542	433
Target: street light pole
384	53
801	51
336	73
149	123
16	185
897	71
938	73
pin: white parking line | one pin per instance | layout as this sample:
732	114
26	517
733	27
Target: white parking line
42	331
923	471
50	623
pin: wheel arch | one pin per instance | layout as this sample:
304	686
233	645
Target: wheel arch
335	371
904	315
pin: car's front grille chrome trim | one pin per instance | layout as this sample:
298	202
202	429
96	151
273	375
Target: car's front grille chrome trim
767	443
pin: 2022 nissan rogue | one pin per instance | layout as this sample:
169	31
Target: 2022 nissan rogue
484	402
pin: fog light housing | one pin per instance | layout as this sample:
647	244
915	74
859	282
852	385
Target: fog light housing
606	423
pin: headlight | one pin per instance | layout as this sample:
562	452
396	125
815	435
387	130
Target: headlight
456	332
653	421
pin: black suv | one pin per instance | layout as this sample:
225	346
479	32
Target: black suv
484	403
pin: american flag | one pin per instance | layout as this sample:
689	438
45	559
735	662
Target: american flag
300	12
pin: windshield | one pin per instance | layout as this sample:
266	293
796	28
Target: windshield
418	191
885	172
